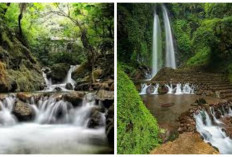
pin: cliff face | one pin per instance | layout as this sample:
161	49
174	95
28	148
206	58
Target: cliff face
19	70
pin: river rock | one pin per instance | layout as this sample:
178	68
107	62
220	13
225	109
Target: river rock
23	111
58	72
58	89
23	96
186	143
74	97
110	125
69	86
96	119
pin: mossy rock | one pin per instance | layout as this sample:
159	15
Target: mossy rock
81	73
58	72
4	84
137	129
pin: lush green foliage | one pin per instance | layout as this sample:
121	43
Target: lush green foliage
135	33
137	130
52	27
202	34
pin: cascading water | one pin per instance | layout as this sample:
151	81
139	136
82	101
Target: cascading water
170	53
156	88
170	89
51	87
178	89
68	78
156	46
212	130
58	127
144	87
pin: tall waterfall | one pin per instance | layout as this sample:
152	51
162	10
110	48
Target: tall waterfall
170	53
156	46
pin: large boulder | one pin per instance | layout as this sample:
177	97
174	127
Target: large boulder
23	111
58	72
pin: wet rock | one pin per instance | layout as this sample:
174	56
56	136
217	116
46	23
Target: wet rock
69	86
82	87
74	97
23	111
110	125
25	97
58	89
96	120
150	89
186	143
58	72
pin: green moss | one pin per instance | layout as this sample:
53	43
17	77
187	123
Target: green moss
7	40
26	80
137	129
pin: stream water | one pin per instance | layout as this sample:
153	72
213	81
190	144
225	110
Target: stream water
212	129
58	127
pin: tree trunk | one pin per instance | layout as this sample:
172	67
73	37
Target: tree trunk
19	24
90	53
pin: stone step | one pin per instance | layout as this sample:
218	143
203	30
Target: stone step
221	87
227	95
225	91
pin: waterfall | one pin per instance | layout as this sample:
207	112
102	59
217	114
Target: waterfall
6	106
170	53
156	88
170	88
178	89
58	127
68	79
213	133
156	46
144	87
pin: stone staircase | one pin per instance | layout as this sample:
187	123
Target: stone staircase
211	84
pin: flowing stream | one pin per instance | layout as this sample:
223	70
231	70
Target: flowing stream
57	127
212	129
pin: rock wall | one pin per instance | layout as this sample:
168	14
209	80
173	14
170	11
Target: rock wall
18	67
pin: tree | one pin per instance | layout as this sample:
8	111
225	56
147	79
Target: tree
22	7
